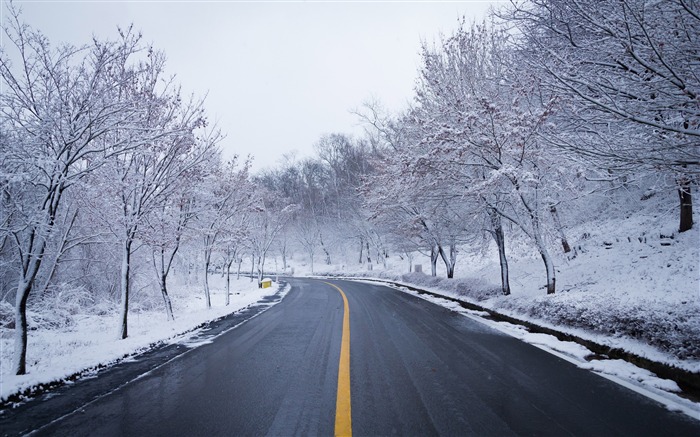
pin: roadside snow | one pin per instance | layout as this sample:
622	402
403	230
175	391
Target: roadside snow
632	282
618	371
566	347
630	371
623	287
56	354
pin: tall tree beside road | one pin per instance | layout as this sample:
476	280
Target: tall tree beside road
475	139
270	214
168	141
163	233
628	72
226	201
58	108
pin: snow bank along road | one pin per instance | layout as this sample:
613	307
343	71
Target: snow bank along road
341	357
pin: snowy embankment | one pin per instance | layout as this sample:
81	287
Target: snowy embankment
90	342
635	292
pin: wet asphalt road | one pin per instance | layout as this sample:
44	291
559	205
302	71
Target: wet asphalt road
415	369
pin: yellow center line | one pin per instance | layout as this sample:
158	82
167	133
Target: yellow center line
343	422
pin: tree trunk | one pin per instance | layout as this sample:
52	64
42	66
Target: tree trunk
498	235
20	357
228	281
551	279
31	262
549	265
434	254
31	258
284	258
686	201
449	263
207	293
362	246
536	235
238	273
252	268
166	298
323	246
369	256
162	281
560	229
261	267
125	278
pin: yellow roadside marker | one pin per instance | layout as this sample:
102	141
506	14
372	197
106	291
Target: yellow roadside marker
343	422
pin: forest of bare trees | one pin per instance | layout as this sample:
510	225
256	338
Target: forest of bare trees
109	173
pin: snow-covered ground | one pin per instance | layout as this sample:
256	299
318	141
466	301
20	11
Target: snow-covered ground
91	340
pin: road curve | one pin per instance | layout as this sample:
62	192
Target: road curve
420	369
415	369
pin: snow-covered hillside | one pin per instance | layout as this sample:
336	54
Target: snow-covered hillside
631	283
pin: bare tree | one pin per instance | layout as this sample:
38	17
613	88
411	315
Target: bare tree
308	236
270	215
480	124
163	233
226	198
628	72
58	107
170	141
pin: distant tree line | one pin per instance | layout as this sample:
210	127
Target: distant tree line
107	171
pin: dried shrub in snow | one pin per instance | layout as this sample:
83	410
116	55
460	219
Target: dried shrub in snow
7	315
672	331
421	279
58	307
476	289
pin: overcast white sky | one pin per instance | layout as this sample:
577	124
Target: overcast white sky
278	74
